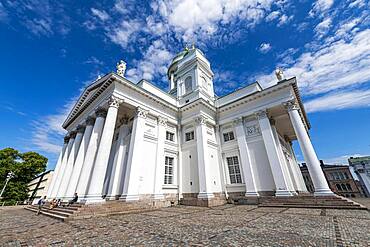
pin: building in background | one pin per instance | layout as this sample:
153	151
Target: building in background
339	179
39	186
361	166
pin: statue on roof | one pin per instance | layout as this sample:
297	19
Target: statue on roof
121	68
279	74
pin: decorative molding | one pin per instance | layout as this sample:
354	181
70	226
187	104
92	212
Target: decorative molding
291	105
80	128
66	139
238	121
72	134
201	120
253	130
140	112
261	114
272	121
162	121
90	120
124	119
101	112
114	101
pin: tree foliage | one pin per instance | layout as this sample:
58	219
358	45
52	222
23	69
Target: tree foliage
25	167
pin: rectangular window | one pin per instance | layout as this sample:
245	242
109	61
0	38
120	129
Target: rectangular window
229	136
170	136
234	170
189	136
168	170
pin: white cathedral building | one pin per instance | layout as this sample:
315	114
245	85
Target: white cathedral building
135	142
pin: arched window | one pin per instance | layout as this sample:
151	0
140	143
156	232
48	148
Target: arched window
188	84
338	187
343	187
349	187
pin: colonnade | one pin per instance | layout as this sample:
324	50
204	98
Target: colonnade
287	175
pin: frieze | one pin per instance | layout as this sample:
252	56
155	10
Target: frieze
253	130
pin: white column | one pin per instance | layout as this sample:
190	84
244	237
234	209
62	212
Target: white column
299	177
179	161
88	164
63	165
159	167
278	174
118	171
283	161
57	169
203	157
101	163
249	169
313	164
72	185
132	175
221	161
70	163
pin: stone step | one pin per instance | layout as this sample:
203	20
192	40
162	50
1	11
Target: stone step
55	216
354	207
54	211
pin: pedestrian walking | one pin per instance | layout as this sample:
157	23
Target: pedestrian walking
40	203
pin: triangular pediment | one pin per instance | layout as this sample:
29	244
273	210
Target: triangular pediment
86	97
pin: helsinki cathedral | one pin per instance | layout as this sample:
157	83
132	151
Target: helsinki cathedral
135	142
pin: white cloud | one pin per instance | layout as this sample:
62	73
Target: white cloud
101	14
284	19
357	3
323	27
331	66
194	19
125	32
154	63
273	16
265	47
321	6
39	26
339	100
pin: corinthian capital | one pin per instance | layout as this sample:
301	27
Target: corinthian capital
202	120
261	114
114	101
80	128
238	121
90	120
291	105
140	112
100	112
162	121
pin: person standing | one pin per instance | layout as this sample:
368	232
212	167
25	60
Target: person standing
40	203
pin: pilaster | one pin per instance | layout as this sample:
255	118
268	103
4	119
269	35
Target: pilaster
203	162
159	168
249	169
132	180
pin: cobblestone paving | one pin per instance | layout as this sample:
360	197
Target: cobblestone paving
227	225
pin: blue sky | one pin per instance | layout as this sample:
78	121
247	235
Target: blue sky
50	50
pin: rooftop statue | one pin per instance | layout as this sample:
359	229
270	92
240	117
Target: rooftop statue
121	68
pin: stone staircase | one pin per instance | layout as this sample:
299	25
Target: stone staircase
61	213
310	201
108	208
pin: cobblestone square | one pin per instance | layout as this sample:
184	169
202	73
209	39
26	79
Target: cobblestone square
227	225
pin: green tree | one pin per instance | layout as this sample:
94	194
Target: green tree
25	167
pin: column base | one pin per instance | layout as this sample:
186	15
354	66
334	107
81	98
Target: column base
205	195
324	192
91	199
283	193
157	196
128	198
251	194
112	198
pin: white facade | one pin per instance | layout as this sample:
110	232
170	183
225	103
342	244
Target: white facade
39	186
135	142
361	166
